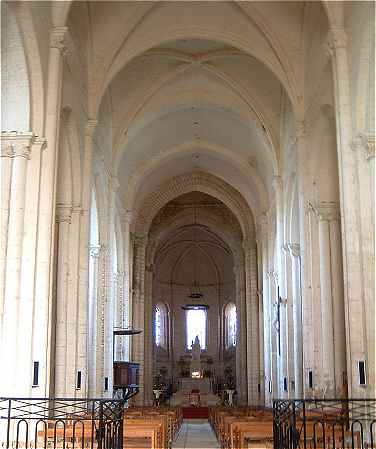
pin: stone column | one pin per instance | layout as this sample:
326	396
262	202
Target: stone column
6	177
18	147
306	257
84	248
42	337
364	149
28	263
241	338
138	311
127	217
100	320
252	329
294	249
290	353
261	376
326	301
92	319
148	336
349	195
63	387
339	331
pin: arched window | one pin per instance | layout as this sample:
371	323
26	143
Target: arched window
160	326
230	325
196	327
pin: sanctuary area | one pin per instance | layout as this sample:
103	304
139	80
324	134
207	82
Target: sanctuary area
187	224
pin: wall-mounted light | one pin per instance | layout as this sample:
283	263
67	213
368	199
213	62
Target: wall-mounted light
310	379
35	374
362	372
78	380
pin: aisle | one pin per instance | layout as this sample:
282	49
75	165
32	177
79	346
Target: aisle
195	434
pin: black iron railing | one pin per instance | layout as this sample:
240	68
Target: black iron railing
325	423
61	423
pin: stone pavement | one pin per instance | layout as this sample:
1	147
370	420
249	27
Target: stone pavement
194	434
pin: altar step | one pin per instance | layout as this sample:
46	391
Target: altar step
195	412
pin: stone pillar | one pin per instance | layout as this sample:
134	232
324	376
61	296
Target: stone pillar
261	376
326	300
339	331
138	311
252	328
18	147
127	217
349	196
120	316
63	387
364	149
6	177
100	320
266	310
92	319
279	263
42	337
84	249
28	263
290	353
241	338
294	249
305	237
148	336
332	305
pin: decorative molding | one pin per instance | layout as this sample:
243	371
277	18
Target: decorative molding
91	125
187	182
293	249
16	144
64	213
365	142
336	39
327	211
58	39
95	251
277	183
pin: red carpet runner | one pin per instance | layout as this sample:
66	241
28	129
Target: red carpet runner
196	412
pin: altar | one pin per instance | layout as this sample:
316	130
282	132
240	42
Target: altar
202	385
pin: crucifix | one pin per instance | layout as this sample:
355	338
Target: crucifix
277	322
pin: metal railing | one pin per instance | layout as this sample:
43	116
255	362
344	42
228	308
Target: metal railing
324	423
32	423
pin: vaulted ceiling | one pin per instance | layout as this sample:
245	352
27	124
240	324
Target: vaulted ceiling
185	86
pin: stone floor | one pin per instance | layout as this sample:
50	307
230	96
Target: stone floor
195	433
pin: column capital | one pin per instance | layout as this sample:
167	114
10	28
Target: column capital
114	183
64	213
300	129
336	39
327	211
58	38
95	251
365	142
127	216
91	125
293	249
271	274
277	183
15	144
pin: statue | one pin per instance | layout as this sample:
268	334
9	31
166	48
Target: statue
196	349
196	359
